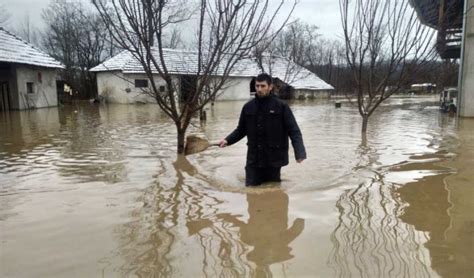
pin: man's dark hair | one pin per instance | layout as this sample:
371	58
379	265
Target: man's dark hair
264	77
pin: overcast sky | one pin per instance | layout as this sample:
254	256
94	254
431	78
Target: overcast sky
323	13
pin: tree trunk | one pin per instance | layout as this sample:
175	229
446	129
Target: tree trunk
181	142
365	120
363	141
202	115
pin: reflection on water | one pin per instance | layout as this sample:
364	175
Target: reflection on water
229	245
145	242
95	191
266	230
443	207
370	239
385	222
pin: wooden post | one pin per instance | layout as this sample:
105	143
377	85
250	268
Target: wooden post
441	40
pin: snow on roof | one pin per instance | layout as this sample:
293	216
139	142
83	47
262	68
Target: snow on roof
185	62
15	50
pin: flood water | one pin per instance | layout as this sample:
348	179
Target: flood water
98	191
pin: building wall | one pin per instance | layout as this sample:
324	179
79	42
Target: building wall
44	87
467	75
117	87
237	88
8	75
309	94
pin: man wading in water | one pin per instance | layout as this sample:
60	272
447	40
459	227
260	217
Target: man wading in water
267	122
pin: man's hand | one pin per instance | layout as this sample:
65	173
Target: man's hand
223	143
300	160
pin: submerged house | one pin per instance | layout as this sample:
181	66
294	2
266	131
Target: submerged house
27	75
121	79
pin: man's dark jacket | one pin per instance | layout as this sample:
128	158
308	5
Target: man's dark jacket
267	122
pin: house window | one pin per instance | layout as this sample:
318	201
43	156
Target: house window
141	83
162	89
29	88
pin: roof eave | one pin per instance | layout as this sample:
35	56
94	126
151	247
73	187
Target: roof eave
61	66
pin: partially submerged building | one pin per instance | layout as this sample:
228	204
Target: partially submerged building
121	79
423	88
27	75
454	21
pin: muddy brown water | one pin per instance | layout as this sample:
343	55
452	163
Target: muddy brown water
98	191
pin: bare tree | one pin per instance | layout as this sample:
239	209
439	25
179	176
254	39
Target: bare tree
175	40
287	53
59	37
296	41
386	46
79	39
449	73
326	58
93	47
227	31
300	43
28	32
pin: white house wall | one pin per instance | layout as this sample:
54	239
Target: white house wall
44	90
236	88
117	87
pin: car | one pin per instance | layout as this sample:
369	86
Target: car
447	100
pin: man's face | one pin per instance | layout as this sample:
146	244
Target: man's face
263	88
